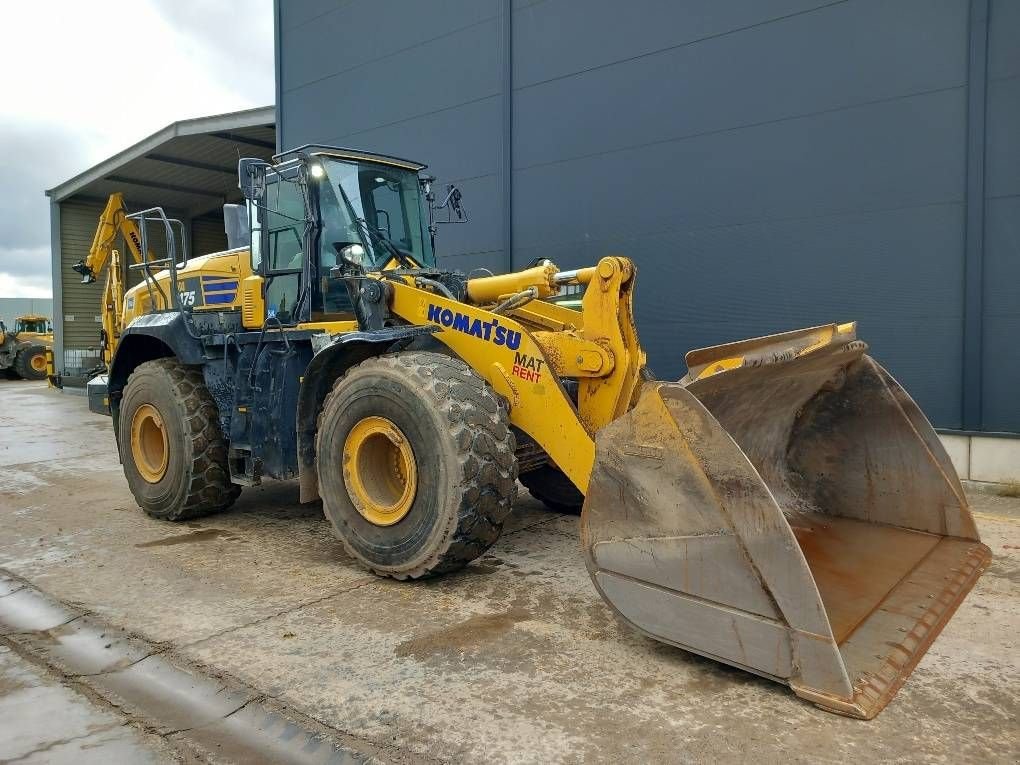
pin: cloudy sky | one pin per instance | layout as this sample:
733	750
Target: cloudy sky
83	80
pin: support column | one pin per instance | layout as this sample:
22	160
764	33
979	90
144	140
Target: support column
57	276
973	277
506	139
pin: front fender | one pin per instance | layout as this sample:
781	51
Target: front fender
150	336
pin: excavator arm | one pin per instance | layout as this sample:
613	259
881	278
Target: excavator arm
102	255
113	221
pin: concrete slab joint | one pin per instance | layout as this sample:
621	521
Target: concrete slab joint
177	699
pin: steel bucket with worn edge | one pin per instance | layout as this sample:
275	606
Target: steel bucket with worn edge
785	508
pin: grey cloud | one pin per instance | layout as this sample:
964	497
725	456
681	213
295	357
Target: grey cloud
236	48
34	158
236	38
26	263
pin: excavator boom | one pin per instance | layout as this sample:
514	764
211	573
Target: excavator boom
102	255
112	221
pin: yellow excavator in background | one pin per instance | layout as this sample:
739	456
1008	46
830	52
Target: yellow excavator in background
102	254
785	508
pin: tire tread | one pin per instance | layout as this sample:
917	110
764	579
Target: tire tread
210	489
485	445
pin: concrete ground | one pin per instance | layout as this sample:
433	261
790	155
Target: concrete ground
513	660
44	721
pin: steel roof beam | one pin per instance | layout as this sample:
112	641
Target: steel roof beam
165	158
164	186
228	136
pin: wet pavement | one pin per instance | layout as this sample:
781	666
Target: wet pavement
42	720
515	659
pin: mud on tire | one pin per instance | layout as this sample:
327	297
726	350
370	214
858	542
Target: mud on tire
197	480
463	448
23	362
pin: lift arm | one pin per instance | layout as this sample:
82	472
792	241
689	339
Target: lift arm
515	351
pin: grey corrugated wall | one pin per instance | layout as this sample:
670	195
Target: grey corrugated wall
13	307
769	164
1001	346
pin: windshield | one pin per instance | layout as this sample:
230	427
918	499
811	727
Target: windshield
30	325
382	206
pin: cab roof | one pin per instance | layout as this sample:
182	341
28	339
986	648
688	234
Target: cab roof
344	153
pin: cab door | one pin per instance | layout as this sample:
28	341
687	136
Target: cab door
280	253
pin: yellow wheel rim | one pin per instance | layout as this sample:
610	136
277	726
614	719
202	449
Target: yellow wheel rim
150	448
38	362
379	471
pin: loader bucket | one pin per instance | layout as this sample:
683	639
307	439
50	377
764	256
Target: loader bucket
785	508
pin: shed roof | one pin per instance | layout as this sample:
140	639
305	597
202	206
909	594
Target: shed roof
190	165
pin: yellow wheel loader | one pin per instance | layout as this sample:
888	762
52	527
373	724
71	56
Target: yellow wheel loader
23	349
785	508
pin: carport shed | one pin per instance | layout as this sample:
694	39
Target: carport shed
189	168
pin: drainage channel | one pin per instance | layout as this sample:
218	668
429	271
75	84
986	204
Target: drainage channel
180	702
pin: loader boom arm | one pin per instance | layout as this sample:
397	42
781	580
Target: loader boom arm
525	352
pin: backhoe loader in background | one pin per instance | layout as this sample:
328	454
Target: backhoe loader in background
102	255
785	508
23	348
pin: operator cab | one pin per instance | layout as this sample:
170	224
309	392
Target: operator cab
322	214
32	324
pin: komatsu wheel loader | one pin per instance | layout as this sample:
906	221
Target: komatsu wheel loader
23	348
785	508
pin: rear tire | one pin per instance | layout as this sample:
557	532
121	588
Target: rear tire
550	486
186	469
30	363
464	467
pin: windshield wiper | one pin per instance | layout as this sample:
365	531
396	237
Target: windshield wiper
378	236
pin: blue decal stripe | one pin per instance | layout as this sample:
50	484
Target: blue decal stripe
219	287
220	298
214	277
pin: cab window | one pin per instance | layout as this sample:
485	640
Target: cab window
283	246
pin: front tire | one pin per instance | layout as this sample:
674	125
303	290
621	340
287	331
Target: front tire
174	455
30	363
416	464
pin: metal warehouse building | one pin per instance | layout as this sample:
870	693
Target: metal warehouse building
189	168
769	164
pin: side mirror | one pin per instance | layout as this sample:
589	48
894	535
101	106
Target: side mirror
251	177
452	201
453	197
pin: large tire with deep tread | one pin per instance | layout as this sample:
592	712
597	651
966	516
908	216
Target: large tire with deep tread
23	362
550	486
197	478
458	430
